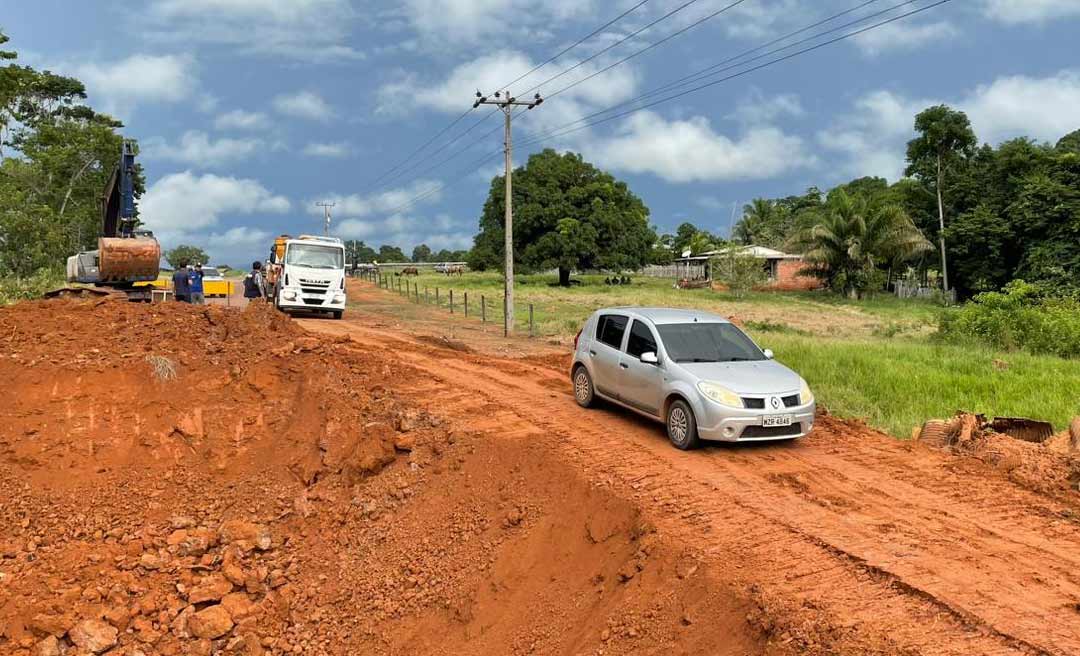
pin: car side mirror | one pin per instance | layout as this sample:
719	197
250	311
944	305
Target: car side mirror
650	358
768	354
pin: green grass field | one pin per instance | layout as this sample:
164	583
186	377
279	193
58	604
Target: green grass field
876	359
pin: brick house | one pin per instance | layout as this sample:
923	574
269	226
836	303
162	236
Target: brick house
782	270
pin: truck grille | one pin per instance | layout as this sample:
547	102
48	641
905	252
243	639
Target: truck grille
313	286
763	432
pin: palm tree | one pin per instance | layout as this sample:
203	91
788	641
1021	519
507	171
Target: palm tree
757	216
853	237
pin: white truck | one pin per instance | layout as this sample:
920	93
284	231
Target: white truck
310	275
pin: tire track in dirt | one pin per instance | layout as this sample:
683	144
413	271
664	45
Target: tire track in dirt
880	536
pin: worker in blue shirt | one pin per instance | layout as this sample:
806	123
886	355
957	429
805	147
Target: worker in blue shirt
195	278
181	284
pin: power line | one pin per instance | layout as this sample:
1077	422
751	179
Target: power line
558	132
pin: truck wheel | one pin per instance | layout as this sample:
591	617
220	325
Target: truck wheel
337	314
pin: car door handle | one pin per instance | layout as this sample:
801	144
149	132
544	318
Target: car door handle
624	365
592	353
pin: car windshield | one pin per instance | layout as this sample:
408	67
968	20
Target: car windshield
315	257
210	272
708	342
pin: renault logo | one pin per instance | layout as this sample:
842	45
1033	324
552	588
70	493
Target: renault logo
775	402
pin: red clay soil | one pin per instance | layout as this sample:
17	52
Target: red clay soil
279	496
356	490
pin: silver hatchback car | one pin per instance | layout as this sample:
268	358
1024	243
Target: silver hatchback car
695	371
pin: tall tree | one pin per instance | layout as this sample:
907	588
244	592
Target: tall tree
562	204
764	223
388	253
421	253
944	138
184	254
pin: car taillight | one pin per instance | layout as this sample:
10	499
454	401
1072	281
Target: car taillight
577	337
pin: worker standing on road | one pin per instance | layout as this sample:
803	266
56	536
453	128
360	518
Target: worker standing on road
254	287
196	285
181	284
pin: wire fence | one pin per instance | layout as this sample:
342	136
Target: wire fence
457	302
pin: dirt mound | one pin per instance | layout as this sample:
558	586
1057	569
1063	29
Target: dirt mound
195	480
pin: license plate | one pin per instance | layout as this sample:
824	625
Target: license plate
776	420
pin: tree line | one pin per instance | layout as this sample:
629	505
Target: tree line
357	252
56	156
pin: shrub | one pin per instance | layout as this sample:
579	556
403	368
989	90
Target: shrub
738	272
1020	317
14	289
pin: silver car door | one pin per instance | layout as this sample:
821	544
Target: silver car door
641	385
605	352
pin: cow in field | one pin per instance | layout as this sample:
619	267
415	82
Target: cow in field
410	271
455	270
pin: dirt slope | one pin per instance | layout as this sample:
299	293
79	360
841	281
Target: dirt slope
853	542
181	480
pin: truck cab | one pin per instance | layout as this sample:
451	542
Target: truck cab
311	276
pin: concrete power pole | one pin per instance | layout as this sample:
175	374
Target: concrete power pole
326	216
507	103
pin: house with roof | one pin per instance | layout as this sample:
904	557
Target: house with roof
783	271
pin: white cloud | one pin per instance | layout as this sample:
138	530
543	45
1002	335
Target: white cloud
333	150
119	86
903	36
690	151
1030	11
238	119
394	201
184	204
473	21
756	108
197	149
872	138
304	104
314	30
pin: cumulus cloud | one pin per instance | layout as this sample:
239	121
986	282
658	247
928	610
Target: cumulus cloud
902	36
1030	11
872	138
239	119
118	86
304	104
184	204
198	149
473	21
316	30
333	150
691	151
393	201
757	108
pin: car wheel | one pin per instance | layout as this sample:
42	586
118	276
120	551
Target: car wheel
681	426
583	387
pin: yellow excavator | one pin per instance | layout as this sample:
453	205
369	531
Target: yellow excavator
125	254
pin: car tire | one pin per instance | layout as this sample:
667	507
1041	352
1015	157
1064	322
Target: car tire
336	314
682	426
584	393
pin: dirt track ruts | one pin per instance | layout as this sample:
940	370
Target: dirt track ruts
864	541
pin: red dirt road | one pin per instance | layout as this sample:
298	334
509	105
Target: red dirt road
853	542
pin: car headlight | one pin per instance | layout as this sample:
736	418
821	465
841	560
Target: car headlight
805	395
720	394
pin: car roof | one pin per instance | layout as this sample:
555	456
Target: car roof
661	316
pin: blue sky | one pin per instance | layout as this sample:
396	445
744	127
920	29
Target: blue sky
250	111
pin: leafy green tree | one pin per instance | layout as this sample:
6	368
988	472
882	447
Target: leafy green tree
357	252
459	256
183	255
978	241
550	189
764	223
1046	217
1070	143
421	253
944	138
854	238
388	253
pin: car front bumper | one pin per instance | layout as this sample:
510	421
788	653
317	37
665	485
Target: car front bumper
723	424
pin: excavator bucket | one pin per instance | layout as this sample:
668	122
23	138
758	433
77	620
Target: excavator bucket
1029	430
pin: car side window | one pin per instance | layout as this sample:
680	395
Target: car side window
610	329
641	340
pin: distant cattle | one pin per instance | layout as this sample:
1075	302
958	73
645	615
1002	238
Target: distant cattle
455	270
410	271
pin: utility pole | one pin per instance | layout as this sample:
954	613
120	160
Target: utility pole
507	103
326	216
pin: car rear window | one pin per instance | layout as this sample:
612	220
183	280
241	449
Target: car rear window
610	328
708	342
641	340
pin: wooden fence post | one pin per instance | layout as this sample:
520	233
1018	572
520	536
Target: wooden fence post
483	309
451	301
530	319
436	297
466	305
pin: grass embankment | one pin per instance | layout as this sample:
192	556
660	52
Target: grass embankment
875	359
13	289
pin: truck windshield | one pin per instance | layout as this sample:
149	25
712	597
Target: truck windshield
314	256
708	342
